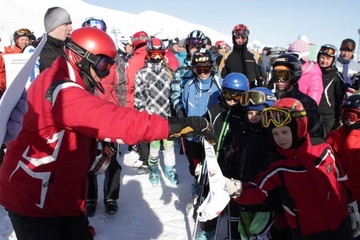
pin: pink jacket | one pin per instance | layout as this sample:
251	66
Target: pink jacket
311	82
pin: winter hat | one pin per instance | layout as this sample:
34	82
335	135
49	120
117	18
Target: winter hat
182	43
55	17
302	48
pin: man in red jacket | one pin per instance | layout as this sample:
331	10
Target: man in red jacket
43	179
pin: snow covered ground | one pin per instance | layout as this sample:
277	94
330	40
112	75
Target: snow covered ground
145	212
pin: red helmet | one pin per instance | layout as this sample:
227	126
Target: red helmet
220	44
155	44
240	30
284	111
139	38
93	40
155	50
90	47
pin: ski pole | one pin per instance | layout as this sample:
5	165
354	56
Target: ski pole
203	179
229	219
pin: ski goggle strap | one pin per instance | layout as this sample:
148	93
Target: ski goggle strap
252	96
279	116
101	64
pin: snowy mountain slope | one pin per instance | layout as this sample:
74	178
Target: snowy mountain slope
29	14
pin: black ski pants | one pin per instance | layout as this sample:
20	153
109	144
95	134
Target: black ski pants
111	182
53	228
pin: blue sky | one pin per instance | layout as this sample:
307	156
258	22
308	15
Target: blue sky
274	22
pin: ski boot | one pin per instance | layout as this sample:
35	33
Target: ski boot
195	189
203	235
154	175
170	174
143	169
91	207
111	206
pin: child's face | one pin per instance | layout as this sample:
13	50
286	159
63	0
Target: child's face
282	136
231	103
350	116
203	72
282	86
254	116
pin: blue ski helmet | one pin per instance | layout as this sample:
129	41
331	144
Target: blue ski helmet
236	82
270	98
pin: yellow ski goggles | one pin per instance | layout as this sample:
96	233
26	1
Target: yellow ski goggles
279	116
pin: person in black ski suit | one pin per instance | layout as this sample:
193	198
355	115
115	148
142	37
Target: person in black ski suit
240	59
334	87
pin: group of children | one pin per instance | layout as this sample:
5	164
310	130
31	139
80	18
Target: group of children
274	159
277	162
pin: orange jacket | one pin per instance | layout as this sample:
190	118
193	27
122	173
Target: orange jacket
8	50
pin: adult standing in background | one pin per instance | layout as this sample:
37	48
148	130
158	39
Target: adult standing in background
21	39
58	26
345	62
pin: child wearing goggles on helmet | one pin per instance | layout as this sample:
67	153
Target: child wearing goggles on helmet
334	87
152	94
312	184
250	147
285	77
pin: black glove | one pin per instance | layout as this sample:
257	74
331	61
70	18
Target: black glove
191	127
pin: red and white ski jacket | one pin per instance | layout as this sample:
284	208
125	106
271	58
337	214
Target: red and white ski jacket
44	173
347	145
312	186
